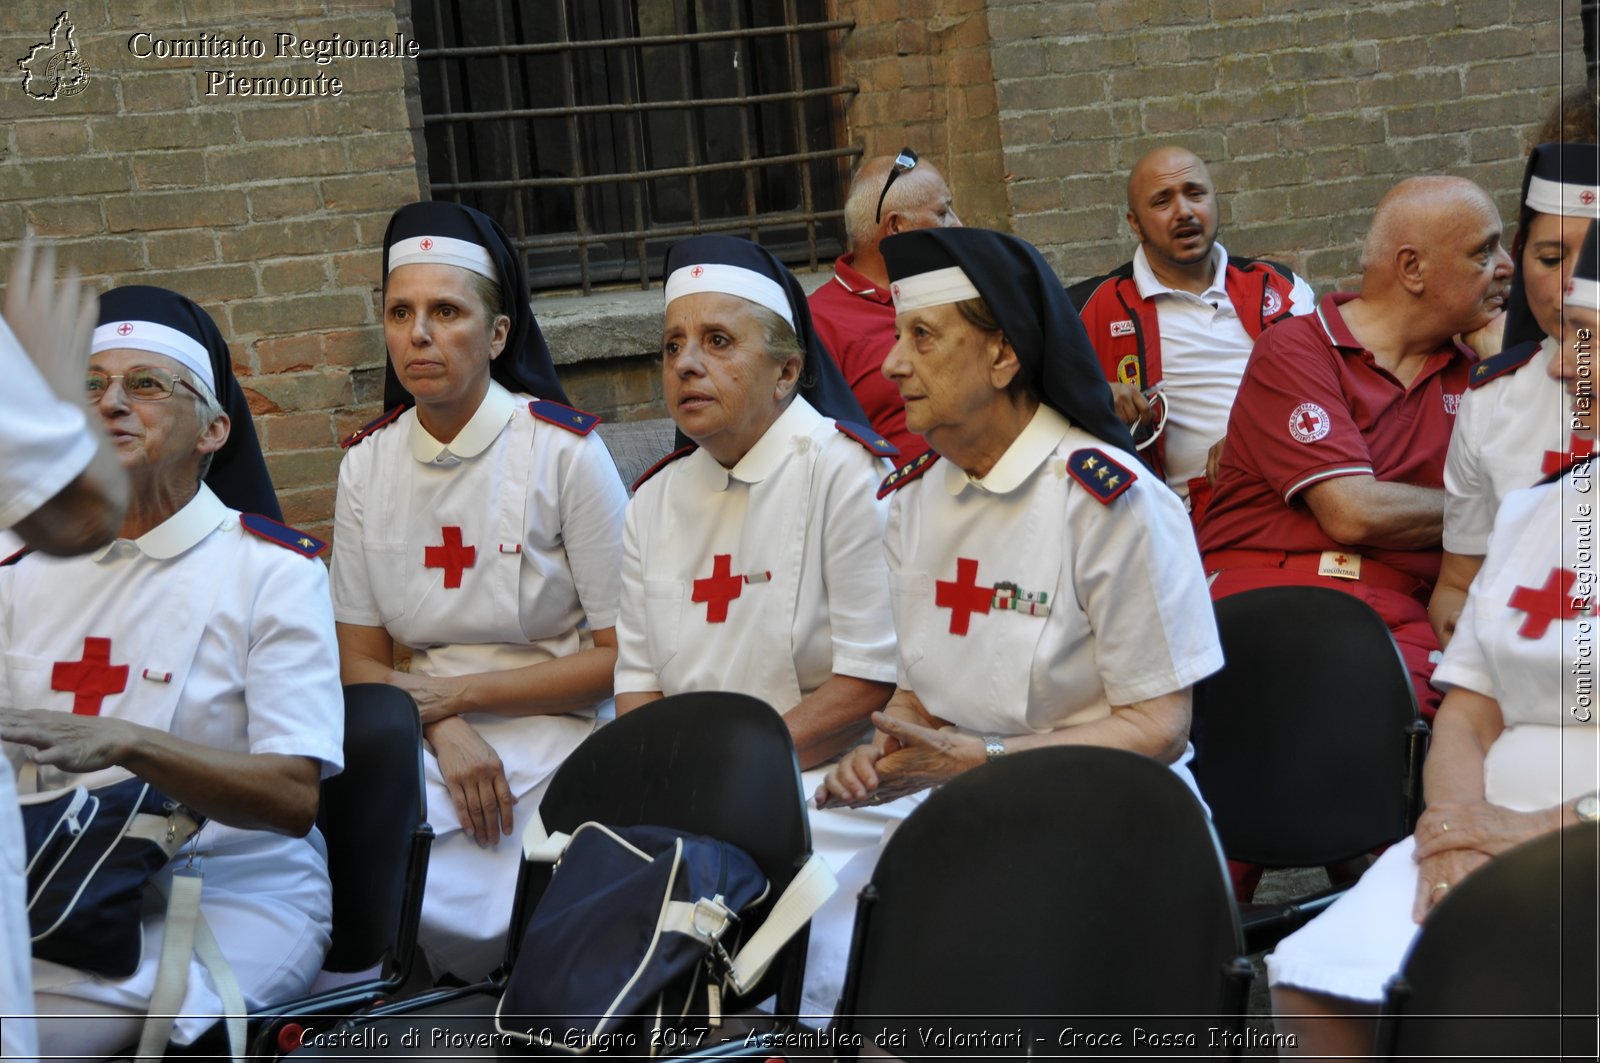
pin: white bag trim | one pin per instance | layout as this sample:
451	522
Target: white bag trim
188	934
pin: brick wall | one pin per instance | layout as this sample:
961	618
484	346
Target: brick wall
264	210
1307	111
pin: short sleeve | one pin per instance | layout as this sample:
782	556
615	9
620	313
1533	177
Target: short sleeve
854	569
353	601
1464	663
1291	419
592	503
1469	503
1139	580
292	687
633	674
44	438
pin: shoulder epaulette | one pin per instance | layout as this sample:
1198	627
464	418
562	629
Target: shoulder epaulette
864	435
662	464
285	536
371	426
907	472
574	421
18	556
1097	471
1498	365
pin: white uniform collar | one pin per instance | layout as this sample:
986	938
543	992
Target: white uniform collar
1037	441
780	439
202	515
1144	278
482	429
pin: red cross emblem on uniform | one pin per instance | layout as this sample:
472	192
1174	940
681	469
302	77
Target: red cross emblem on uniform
1341	560
718	589
124	328
1550	602
450	556
1308	423
427	244
1556	460
1586	197
962	596
697	271
91	678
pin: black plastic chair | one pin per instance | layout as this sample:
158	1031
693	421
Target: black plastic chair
1308	745
374	817
711	763
1505	966
1066	888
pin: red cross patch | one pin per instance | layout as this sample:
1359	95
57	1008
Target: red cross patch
427	244
718	589
124	328
91	679
1553	601
962	596
451	556
697	271
1586	197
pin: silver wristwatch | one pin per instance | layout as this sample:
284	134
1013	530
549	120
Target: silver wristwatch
993	747
1588	807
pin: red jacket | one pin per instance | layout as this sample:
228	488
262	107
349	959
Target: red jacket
1123	328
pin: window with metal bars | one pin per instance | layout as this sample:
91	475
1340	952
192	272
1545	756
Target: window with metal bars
600	131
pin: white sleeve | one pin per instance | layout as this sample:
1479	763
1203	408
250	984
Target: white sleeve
1469	504
633	673
1302	300
43	438
292	688
854	570
353	600
1137	573
592	501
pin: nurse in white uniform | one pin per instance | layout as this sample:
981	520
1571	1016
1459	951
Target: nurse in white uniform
196	652
1510	429
479	524
1514	754
1046	588
752	557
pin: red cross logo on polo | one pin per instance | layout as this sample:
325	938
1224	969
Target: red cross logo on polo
427	244
1556	460
124	328
91	679
1586	197
1309	422
1553	601
451	556
719	588
1271	302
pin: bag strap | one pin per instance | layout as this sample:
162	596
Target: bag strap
187	933
811	886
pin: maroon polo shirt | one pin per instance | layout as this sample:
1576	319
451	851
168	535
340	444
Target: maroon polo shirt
1315	405
855	319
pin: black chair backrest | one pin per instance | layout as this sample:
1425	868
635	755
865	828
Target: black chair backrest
712	763
1304	741
1507	951
369	815
1055	886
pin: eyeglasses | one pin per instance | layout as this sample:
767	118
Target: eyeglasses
145	383
904	162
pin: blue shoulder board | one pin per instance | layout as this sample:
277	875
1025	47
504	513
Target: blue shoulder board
1496	366
662	464
864	435
907	472
282	534
371	426
1095	470
575	421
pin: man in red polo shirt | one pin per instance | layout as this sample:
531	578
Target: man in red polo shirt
853	312
1333	470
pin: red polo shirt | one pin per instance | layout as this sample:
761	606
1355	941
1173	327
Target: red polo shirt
1315	405
855	319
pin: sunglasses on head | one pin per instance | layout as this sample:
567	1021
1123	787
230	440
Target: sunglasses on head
904	162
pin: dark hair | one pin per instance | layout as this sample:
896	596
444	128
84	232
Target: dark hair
1572	120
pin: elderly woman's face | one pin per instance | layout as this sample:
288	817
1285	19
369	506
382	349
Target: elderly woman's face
722	386
441	337
1549	253
158	434
945	368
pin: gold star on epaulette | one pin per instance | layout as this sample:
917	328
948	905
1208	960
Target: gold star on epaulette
305	543
1089	463
882	442
1101	473
577	418
1479	370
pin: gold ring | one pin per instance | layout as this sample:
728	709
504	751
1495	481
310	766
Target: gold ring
1437	886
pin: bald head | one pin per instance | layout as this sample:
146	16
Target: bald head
919	199
1160	166
1172	209
1418	211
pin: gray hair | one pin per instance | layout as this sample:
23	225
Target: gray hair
207	406
861	203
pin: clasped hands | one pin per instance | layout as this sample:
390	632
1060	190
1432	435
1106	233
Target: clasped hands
1454	840
910	751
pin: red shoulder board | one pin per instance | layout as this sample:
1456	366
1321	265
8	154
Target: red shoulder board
1094	469
371	426
575	421
1508	361
907	472
864	435
282	534
662	464
18	556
